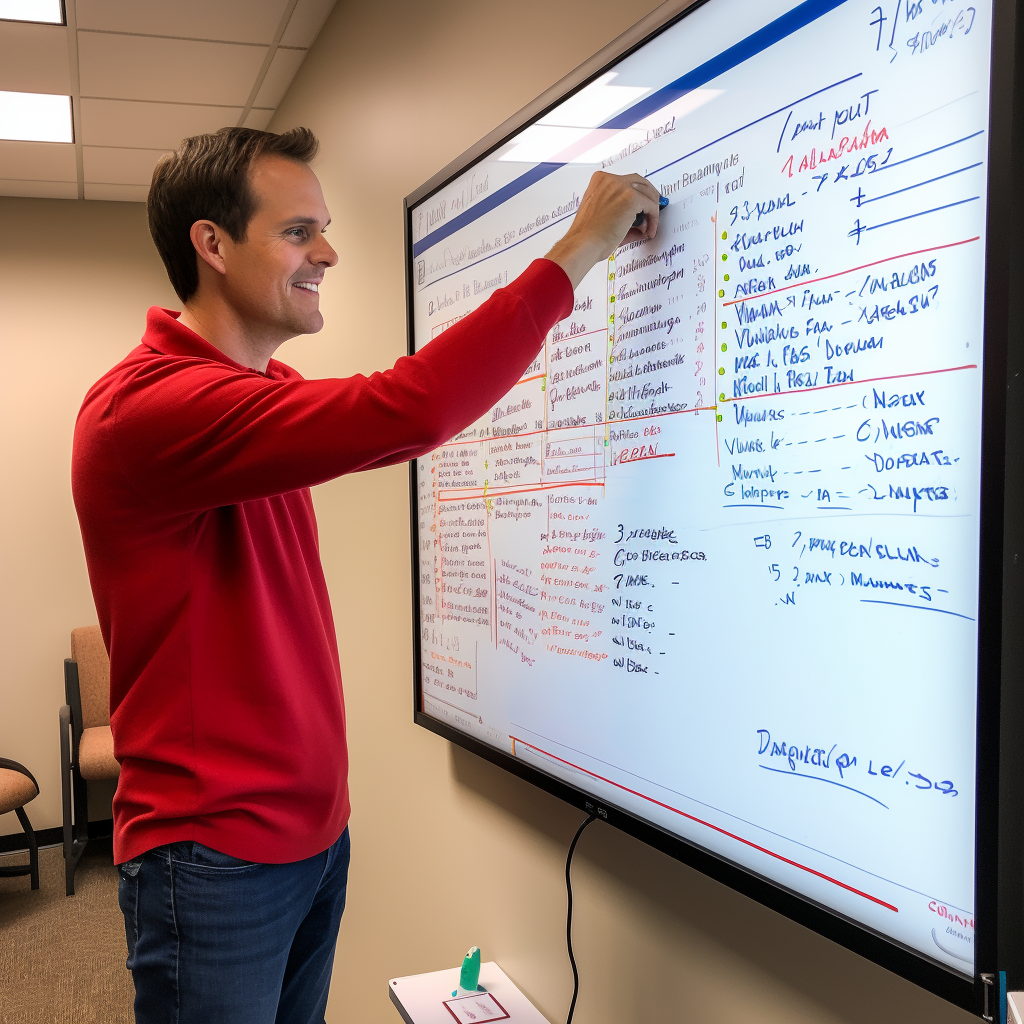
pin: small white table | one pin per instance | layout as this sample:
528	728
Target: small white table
1015	1008
427	999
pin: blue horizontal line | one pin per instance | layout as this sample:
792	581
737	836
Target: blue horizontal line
501	252
928	152
917	607
772	33
831	782
887	195
495	199
911	216
753	506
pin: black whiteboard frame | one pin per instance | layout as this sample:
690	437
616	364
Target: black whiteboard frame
999	822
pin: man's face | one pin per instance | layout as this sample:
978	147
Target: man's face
272	277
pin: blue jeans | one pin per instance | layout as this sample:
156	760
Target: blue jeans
217	940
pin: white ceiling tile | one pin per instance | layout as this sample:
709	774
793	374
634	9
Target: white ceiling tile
38	189
119	166
279	76
150	125
306	20
258	119
43	161
118	193
173	70
244	21
34	58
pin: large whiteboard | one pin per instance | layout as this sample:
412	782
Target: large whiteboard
715	558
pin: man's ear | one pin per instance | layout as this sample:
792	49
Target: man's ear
209	240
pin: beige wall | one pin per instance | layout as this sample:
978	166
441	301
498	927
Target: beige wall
76	279
448	850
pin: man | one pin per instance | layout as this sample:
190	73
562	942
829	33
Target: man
192	464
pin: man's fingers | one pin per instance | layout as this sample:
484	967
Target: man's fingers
650	208
651	222
641	184
605	220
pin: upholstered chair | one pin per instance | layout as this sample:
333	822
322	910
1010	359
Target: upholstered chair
17	788
86	744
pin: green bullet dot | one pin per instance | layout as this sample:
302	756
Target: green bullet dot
725	234
721	397
725	326
726	278
721	369
719	419
721	293
724	346
724	257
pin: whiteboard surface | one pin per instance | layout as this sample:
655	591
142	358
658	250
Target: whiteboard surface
714	559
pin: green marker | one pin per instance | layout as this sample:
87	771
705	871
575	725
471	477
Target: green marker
469	979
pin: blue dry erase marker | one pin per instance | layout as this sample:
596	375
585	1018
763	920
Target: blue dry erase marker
662	203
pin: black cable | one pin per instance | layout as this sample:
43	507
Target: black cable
568	919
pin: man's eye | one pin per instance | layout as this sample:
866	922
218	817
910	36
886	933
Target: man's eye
298	232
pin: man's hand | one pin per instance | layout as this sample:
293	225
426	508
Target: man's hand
604	221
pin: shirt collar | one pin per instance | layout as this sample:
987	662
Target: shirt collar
166	335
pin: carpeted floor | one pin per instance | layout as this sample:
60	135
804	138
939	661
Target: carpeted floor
62	958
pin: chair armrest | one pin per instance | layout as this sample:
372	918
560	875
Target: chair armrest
6	762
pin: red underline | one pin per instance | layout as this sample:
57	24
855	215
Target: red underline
525	433
525	490
655	415
852	270
700	821
847	383
569	337
610	424
644	458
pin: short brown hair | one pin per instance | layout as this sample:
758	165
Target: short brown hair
207	178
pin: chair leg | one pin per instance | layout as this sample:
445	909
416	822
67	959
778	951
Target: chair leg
71	854
33	850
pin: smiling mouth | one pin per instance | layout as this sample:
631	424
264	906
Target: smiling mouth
309	286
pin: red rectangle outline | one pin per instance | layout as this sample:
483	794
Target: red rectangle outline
507	1016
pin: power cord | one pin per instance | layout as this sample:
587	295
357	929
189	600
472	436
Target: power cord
568	918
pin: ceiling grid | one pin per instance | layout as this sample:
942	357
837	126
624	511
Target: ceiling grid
143	75
267	61
71	17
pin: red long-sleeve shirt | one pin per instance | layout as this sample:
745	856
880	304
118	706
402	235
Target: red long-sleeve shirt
191	477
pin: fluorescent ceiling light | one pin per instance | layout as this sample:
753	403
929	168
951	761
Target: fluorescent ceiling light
35	117
48	11
560	143
624	142
595	104
542	142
